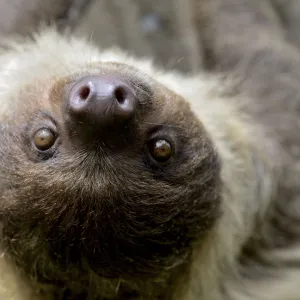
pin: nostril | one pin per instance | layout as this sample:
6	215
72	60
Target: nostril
100	101
120	95
84	92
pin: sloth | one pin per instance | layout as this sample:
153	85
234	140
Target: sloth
119	180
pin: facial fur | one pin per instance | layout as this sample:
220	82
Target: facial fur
99	204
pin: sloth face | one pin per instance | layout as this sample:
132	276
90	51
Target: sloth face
107	170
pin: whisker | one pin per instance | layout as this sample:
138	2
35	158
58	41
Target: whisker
89	44
140	89
172	66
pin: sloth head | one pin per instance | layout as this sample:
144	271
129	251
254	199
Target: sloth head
105	168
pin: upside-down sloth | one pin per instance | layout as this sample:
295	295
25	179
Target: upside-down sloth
119	180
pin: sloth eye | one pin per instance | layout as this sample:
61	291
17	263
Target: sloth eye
44	139
160	150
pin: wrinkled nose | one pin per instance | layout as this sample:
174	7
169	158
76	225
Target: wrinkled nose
101	100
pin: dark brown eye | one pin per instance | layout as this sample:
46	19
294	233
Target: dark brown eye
160	150
44	139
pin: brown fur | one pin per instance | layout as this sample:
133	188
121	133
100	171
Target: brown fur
99	220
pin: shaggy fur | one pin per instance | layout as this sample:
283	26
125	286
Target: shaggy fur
99	219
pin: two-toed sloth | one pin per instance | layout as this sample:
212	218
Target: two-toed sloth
122	181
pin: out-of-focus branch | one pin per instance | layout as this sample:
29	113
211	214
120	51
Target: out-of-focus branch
24	16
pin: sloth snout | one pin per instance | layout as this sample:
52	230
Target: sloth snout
101	100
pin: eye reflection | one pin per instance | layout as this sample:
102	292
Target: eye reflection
44	139
160	150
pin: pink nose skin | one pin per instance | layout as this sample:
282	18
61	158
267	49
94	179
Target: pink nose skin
101	100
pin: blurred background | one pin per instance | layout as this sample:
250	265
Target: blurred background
167	30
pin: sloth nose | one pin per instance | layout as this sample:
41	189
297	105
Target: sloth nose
101	100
